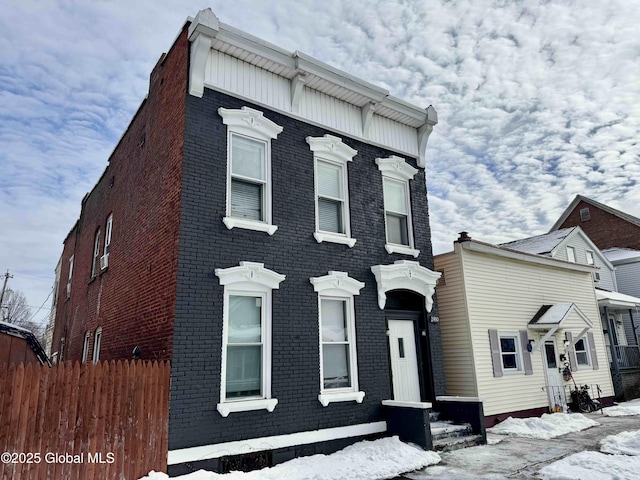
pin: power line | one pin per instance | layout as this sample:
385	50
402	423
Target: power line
45	301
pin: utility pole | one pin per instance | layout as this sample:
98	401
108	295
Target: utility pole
7	276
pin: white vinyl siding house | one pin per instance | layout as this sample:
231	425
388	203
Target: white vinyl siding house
487	290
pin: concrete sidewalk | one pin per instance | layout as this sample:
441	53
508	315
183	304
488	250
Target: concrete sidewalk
522	458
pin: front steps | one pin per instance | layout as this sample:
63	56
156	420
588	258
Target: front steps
447	436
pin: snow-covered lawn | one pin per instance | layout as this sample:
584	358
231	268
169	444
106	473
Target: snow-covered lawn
548	426
623	409
624	443
379	459
623	464
592	466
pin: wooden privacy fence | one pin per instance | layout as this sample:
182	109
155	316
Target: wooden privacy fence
73	421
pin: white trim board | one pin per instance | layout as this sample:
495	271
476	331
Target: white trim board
205	452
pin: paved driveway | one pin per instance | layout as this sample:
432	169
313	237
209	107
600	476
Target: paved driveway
521	458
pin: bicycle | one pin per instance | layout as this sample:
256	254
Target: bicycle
582	401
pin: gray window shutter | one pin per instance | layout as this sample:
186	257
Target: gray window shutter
572	353
496	357
526	356
592	351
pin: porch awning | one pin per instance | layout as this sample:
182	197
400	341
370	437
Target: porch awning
616	300
550	318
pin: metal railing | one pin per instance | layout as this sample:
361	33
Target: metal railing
560	399
627	356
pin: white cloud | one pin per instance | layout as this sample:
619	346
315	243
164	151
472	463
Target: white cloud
538	102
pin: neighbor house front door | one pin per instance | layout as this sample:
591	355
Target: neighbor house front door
553	371
404	361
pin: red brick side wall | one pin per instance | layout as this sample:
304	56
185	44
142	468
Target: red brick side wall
133	300
604	229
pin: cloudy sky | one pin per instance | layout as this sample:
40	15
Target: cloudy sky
538	101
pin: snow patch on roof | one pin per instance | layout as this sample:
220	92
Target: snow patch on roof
540	244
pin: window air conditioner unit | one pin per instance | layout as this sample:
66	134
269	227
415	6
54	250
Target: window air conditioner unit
104	261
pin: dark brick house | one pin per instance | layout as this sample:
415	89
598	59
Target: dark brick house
604	225
263	224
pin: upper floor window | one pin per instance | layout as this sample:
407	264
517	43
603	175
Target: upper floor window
70	274
246	338
96	255
590	258
338	356
571	254
396	174
107	235
330	157
584	214
249	136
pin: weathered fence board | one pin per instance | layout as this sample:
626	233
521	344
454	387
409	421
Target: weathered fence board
74	421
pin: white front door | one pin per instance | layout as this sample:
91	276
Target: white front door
404	361
553	370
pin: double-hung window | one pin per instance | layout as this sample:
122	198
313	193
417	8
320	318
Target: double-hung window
249	136
571	254
95	264
70	275
510	353
331	156
338	355
96	345
246	338
396	173
582	352
85	347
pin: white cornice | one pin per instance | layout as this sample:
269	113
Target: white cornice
336	284
205	29
396	167
406	275
331	148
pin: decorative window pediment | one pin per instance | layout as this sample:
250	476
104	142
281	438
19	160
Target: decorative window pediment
405	275
331	148
337	284
253	275
253	122
396	167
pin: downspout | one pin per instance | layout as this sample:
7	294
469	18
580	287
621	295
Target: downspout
633	325
612	343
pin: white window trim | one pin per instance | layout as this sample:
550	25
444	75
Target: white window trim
573	250
85	347
97	340
331	149
587	352
593	257
398	169
518	353
250	279
95	261
339	286
107	234
70	276
250	123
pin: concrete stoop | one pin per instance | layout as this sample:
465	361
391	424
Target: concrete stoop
448	436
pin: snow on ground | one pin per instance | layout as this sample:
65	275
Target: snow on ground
624	443
594	466
623	409
548	426
379	459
